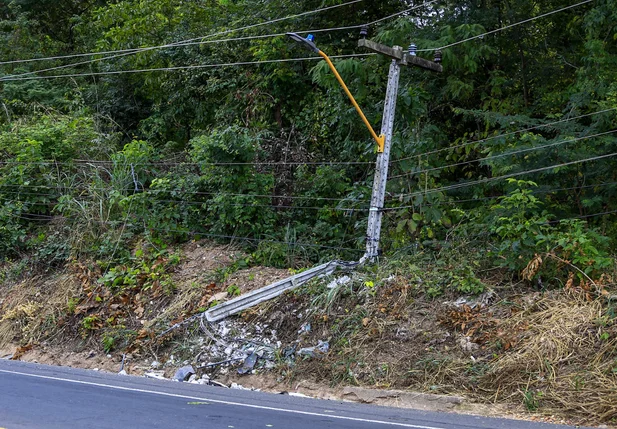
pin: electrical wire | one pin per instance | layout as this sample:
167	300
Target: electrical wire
200	66
479	36
123	53
471	200
209	203
216	194
387	209
501	155
182	42
501	135
186	163
204	234
506	176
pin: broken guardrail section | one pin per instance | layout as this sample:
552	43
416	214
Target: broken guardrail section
255	297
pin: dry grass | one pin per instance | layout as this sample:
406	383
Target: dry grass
184	299
30	308
564	359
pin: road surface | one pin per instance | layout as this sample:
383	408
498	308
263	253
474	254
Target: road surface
36	396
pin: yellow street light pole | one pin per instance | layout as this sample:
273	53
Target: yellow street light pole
379	139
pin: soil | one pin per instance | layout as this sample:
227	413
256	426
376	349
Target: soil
389	337
255	278
201	258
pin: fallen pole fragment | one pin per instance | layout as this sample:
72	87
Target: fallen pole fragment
255	297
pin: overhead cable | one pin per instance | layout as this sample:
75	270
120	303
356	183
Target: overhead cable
432	152
480	36
200	41
506	176
168	69
503	154
181	42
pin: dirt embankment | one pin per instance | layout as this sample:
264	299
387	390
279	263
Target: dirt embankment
539	355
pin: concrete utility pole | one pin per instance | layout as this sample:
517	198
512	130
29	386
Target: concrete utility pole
399	58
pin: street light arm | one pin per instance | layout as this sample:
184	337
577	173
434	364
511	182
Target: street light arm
379	139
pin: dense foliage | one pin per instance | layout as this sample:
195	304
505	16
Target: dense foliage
273	155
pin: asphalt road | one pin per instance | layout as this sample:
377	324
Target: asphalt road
37	396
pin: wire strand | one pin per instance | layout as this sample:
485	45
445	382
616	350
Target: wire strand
431	152
190	42
181	42
501	155
479	36
506	176
471	200
201	66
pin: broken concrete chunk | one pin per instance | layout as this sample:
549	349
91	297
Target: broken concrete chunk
182	374
157	375
305	328
467	345
249	364
319	350
221	296
338	282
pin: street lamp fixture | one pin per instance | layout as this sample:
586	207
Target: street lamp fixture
310	45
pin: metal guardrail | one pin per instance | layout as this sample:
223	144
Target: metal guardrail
255	297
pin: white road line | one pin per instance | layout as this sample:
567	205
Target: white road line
218	401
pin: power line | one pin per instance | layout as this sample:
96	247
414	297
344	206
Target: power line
194	202
348	209
204	234
186	163
201	66
182	42
501	155
126	52
479	36
502	135
506	176
596	214
472	200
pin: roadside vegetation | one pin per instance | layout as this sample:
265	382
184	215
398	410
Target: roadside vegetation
130	202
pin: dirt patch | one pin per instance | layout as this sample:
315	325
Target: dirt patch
255	278
201	258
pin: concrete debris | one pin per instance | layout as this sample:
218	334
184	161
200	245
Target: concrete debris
339	282
480	301
213	364
182	374
237	386
297	395
467	345
230	341
249	364
319	350
305	328
157	375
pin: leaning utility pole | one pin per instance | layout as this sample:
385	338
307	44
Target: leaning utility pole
399	58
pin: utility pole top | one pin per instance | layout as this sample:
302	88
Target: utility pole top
397	54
